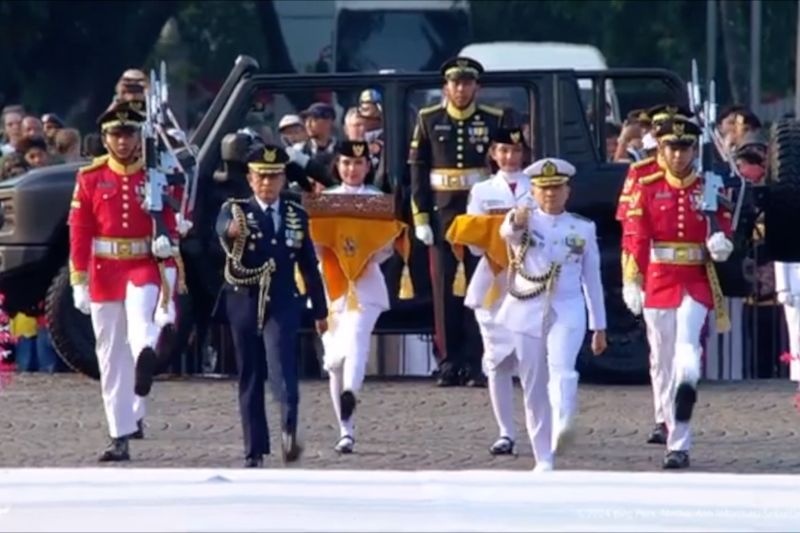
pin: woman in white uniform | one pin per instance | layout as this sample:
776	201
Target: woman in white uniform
347	342
506	189
787	288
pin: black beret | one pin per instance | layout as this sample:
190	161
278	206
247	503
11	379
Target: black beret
121	115
508	136
461	68
268	159
352	149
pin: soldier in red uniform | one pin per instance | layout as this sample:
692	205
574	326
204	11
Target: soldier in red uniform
120	276
673	244
645	169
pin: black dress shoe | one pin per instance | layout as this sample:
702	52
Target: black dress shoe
448	378
502	446
676	460
659	434
477	381
347	403
290	447
685	397
117	450
345	445
139	433
145	368
254	462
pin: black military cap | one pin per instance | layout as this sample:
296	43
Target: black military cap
678	131
121	115
663	112
459	68
268	159
639	115
352	149
508	136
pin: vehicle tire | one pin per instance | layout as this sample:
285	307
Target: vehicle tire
782	218
70	330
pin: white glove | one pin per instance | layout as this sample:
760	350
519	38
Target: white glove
632	296
424	233
166	316
297	156
788	299
162	247
80	297
719	246
183	226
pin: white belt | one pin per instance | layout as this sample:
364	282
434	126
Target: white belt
677	255
450	182
121	248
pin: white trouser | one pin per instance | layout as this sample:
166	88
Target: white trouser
122	330
347	348
532	359
563	345
674	337
659	383
499	367
792	315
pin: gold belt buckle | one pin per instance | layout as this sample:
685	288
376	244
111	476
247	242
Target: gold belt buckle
124	249
682	254
454	182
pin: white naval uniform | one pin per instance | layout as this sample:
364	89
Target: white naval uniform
347	341
498	344
787	279
549	329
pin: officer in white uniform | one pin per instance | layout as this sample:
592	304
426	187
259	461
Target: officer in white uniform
347	341
554	277
508	188
787	288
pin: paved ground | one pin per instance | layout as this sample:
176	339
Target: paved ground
58	421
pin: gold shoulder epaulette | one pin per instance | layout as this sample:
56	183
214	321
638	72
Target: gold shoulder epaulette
430	109
651	178
491	109
643	162
97	162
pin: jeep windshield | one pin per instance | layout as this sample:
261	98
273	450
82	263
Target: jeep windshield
404	40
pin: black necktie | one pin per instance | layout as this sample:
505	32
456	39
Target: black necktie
269	223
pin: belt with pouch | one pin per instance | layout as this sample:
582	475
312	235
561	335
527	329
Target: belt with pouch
120	248
678	253
456	179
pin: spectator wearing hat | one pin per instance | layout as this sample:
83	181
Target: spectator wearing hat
268	233
292	130
321	143
672	242
447	157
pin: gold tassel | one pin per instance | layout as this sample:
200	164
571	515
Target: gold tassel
723	322
460	282
299	281
182	289
166	290
406	285
491	295
352	297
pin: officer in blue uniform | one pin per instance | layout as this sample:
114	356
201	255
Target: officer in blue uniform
266	238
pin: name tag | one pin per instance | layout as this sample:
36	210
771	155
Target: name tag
663	195
493	204
442	127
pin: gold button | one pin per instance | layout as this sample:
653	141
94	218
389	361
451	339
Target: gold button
680	217
459	156
125	206
124	224
459	148
124	196
105	197
124	187
124	215
680	209
680	234
460	122
460	165
680	225
460	131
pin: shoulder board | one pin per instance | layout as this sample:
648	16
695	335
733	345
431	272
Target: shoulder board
581	217
430	109
295	204
97	162
643	162
491	109
651	178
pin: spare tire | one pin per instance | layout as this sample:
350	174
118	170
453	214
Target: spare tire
70	330
781	213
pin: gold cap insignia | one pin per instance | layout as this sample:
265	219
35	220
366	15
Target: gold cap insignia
678	129
358	150
515	135
671	110
122	115
549	169
136	105
463	63
644	117
270	155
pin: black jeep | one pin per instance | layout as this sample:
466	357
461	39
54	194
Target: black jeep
564	119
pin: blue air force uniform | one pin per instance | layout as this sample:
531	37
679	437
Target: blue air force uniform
264	303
